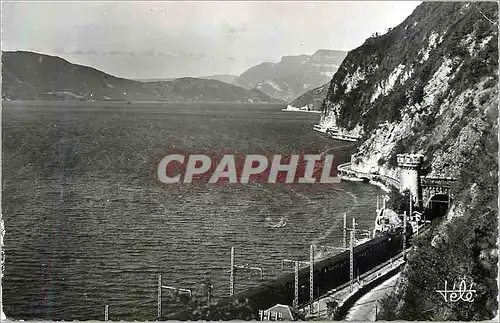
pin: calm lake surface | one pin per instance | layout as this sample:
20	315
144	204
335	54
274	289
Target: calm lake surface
87	224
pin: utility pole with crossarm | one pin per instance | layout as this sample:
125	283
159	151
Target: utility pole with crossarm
177	289
296	263
233	269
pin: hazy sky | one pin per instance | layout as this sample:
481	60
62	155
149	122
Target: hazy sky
181	38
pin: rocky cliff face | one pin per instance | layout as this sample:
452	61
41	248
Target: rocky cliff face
430	86
427	86
293	75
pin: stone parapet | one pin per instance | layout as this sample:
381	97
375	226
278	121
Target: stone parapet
410	160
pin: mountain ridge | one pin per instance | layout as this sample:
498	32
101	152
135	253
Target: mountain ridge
31	76
293	75
226	78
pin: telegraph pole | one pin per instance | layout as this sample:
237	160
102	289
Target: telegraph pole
411	205
311	277
297	264
352	244
244	267
231	276
160	287
159	298
351	253
411	214
404	236
418	226
296	287
345	228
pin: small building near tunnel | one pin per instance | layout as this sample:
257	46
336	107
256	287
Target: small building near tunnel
277	312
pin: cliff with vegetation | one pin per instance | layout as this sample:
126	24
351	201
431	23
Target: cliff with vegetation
430	86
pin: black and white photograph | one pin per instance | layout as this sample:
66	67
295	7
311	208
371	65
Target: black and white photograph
249	160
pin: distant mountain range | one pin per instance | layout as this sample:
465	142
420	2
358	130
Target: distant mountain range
293	75
226	78
33	76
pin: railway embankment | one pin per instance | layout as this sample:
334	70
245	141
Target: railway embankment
346	295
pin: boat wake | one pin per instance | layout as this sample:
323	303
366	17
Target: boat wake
282	223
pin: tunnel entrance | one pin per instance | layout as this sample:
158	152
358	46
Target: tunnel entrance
437	206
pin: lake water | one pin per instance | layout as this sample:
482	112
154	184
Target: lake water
87	224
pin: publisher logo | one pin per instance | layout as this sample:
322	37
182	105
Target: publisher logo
461	294
242	169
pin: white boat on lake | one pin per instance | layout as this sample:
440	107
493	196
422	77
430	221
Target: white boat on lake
305	108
